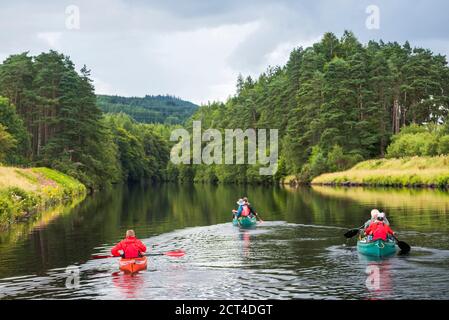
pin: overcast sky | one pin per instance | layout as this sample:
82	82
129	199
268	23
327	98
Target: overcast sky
195	49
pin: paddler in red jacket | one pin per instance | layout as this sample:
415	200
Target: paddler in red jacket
131	247
379	229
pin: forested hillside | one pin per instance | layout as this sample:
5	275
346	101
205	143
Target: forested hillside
49	117
149	109
335	103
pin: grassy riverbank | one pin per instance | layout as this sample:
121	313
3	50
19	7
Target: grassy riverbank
25	192
404	172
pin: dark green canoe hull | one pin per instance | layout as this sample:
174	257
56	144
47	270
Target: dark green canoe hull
245	222
378	248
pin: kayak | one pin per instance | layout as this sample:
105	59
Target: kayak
245	222
133	265
378	248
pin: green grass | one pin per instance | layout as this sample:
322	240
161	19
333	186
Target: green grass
26	175
400	172
24	192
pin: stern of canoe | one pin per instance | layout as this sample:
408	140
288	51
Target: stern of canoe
378	248
245	222
133	265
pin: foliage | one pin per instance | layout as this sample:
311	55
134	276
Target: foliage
341	93
338	161
443	145
14	140
149	109
417	140
7	142
143	154
57	106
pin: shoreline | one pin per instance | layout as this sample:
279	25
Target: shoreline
407	172
26	193
349	184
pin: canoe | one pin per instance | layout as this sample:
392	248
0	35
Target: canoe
378	248
245	222
133	265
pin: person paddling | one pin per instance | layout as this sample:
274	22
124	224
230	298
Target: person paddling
379	230
374	214
385	218
130	247
243	210
252	211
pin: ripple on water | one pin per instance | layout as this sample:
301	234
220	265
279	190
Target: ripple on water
277	260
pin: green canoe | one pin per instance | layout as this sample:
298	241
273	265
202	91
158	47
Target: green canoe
245	222
378	248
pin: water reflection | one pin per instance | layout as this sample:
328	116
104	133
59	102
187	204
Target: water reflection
299	252
245	240
417	209
379	281
129	285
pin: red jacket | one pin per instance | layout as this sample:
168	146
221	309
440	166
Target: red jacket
379	230
131	247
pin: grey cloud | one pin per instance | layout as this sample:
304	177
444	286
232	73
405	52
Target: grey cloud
195	49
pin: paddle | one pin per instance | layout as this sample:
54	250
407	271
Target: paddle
405	247
175	253
353	232
260	219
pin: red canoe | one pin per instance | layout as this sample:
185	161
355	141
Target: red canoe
133	265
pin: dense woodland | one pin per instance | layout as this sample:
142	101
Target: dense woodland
335	103
149	109
49	117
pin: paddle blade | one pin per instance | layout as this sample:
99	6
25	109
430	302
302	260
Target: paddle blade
176	253
405	248
351	233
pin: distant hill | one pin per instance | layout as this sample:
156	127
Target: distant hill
149	109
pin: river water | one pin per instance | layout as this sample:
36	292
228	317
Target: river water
297	252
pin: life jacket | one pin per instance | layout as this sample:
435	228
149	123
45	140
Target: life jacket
131	247
245	211
380	231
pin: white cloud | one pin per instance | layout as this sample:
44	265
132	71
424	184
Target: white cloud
281	53
102	87
52	39
197	60
3	56
196	49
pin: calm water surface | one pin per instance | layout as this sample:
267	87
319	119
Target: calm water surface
298	252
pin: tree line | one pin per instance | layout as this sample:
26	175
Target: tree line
166	109
49	117
335	103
